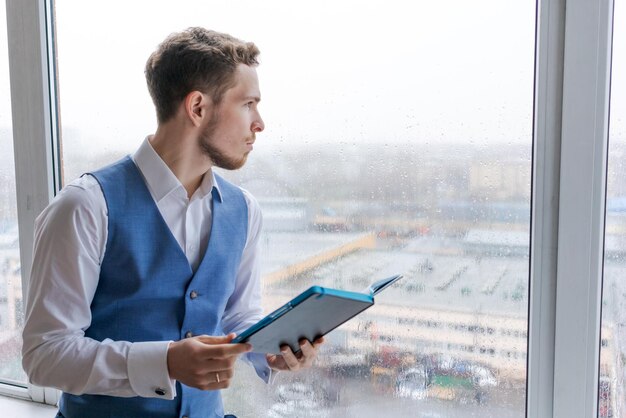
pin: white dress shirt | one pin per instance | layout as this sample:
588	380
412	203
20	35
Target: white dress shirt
70	242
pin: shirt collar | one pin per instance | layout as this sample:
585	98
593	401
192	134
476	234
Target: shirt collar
161	181
207	185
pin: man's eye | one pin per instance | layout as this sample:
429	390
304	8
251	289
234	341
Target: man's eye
249	105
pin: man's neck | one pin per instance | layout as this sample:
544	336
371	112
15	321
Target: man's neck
180	153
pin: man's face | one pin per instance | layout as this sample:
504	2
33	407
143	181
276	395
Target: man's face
228	137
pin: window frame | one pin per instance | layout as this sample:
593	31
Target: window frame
34	119
572	49
582	198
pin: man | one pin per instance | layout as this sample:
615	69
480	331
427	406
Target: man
142	267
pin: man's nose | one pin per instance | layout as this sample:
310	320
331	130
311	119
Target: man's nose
258	125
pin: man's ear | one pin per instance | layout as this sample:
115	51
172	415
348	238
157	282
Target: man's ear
197	106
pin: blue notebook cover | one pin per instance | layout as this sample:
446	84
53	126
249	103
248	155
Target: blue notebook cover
312	314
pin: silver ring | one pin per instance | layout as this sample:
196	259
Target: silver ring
217	377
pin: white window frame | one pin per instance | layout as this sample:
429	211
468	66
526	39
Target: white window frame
571	110
582	195
33	102
572	82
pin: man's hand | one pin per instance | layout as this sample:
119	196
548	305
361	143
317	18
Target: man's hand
287	360
204	362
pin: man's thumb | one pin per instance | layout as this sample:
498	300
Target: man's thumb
213	339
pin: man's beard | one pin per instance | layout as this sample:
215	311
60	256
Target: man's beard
218	158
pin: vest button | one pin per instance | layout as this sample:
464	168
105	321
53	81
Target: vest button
193	294
188	334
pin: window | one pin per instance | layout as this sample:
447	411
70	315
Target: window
367	215
11	316
611	396
395	147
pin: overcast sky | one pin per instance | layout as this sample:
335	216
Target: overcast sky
352	71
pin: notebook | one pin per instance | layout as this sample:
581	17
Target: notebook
312	314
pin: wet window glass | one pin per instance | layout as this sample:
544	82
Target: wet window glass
11	313
398	140
611	397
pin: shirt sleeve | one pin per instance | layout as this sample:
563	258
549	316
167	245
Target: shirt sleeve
244	306
70	240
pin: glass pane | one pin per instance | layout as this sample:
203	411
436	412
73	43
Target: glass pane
11	317
398	140
611	396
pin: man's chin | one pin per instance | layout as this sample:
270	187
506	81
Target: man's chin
232	164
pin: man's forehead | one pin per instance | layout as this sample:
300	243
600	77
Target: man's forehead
247	82
247	73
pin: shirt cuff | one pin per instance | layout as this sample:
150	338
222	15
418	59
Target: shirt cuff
147	370
263	370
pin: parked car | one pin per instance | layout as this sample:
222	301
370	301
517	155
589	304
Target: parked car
413	383
446	378
324	393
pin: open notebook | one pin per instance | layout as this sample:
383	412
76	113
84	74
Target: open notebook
312	314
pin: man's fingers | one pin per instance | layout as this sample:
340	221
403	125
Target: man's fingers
212	339
217	365
220	347
289	357
220	375
318	342
308	352
204	362
226	350
215	380
287	360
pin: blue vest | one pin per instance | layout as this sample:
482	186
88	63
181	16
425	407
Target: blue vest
143	293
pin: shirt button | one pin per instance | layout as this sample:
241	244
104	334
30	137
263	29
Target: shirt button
193	294
188	334
160	391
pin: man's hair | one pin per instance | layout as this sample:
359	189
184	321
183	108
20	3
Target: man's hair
195	59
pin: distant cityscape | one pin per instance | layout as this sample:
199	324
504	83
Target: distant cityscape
453	218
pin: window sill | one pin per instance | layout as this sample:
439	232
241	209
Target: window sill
13	407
